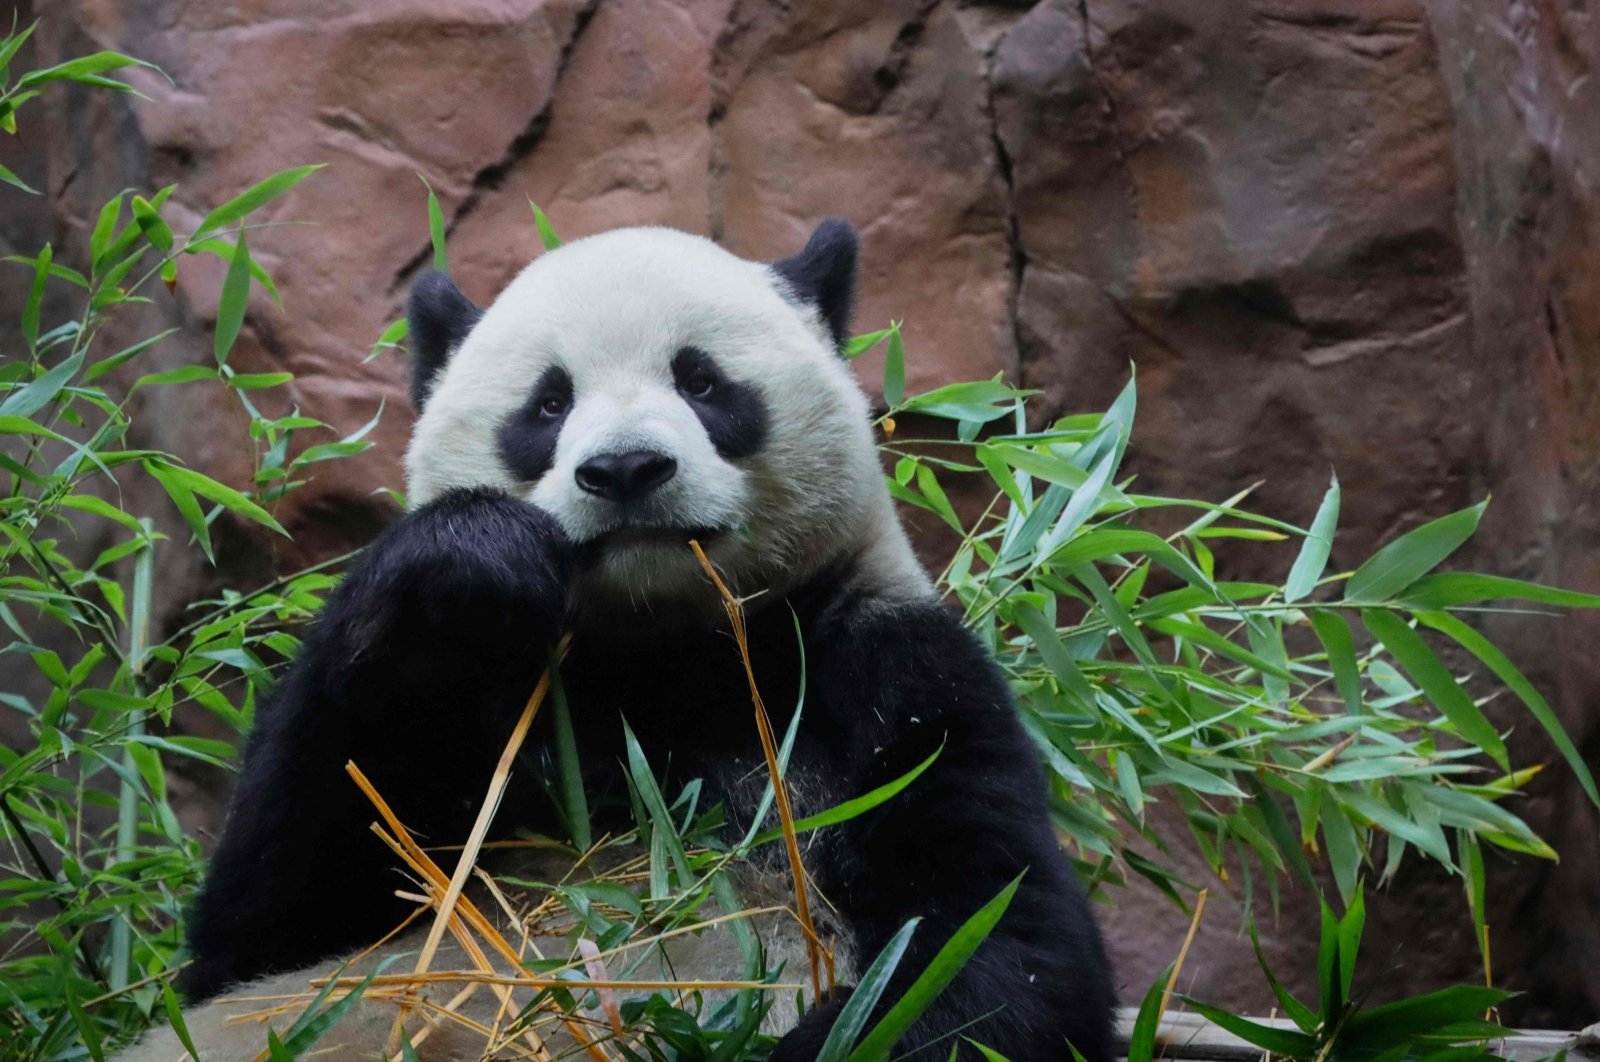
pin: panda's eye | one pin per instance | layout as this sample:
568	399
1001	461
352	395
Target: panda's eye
553	405
699	385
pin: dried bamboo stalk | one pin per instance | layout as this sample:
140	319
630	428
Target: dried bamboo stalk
769	748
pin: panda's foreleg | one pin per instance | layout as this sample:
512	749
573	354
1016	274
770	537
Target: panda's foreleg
415	671
894	686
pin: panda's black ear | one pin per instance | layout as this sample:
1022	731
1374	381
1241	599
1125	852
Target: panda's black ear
440	318
824	274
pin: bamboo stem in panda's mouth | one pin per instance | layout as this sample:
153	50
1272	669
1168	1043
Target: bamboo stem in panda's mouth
815	951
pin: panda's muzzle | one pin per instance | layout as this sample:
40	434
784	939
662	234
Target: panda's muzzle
625	477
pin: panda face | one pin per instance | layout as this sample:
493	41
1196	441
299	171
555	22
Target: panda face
646	387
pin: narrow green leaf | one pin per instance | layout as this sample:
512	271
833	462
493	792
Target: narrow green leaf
859	345
853	1016
1313	557
575	804
1142	1040
894	370
251	199
30	311
105	224
1298	1012
852	808
42	391
231	306
940	972
1284	1042
1376	1028
1425	669
85	69
1411	556
1334	633
547	231
16	182
1448	589
151	224
436	231
1518	683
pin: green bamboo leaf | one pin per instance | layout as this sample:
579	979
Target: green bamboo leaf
1425	669
1142	1040
252	199
1334	633
42	391
12	44
231	306
852	808
940	972
859	345
30	311
575	805
1313	557
663	831
224	250
1411	556
1284	1042
894	369
1518	683
151	224
853	1016
184	500
223	495
1448	589
10	425
547	231
85	69
390	338
105	224
1376	1028
16	182
436	231
1298	1012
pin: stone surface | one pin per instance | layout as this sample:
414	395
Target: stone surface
1359	236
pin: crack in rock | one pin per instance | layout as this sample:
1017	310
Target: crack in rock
492	177
1118	134
1016	256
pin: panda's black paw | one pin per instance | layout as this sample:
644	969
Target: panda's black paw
804	1042
472	565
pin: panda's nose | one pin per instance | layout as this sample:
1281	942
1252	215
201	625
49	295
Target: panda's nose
625	477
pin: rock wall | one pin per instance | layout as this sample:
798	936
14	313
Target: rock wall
1358	235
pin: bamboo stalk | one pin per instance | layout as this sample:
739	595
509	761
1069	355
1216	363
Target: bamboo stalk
769	748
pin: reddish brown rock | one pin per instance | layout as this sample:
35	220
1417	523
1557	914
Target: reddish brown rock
1330	235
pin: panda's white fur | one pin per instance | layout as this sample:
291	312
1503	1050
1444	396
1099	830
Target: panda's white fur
612	310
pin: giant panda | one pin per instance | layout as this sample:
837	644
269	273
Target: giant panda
625	393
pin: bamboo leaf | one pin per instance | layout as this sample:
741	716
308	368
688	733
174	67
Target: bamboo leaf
1411	556
252	199
1427	671
940	972
853	1016
1518	683
231	306
1313	557
547	231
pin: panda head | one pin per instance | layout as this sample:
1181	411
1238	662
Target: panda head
646	387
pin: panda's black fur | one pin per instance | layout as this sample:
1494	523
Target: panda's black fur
451	613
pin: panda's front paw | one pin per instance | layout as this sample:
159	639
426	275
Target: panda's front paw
804	1042
470	563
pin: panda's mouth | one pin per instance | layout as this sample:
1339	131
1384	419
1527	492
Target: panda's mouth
624	537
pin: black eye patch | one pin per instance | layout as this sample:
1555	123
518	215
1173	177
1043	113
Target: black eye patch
527	438
731	412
